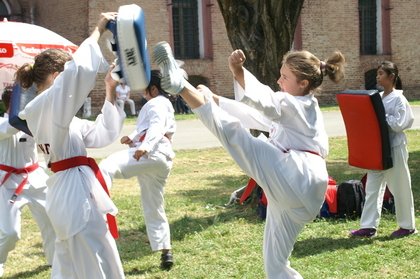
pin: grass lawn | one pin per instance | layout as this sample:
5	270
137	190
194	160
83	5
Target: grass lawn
211	241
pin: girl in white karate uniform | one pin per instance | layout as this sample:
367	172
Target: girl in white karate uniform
149	158
19	168
290	166
76	202
399	117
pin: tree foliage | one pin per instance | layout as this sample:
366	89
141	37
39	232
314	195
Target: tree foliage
264	30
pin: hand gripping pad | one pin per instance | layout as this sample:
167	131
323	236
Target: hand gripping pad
367	130
131	46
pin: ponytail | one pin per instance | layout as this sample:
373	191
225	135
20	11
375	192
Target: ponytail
25	75
334	67
46	63
307	66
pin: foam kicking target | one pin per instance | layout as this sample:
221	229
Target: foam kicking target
367	130
131	46
18	101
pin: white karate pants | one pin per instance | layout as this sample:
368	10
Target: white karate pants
152	173
294	183
398	180
91	253
10	220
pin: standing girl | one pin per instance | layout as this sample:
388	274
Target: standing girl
290	166
149	158
399	117
76	202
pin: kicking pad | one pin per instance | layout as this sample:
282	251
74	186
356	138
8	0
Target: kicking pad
19	99
130	44
367	130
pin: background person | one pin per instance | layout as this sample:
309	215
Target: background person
123	96
399	117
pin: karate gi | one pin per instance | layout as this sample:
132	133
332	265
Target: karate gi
76	202
290	166
18	150
399	117
154	130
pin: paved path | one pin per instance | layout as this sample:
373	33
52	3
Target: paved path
191	134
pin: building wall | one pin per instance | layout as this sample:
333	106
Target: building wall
405	38
327	25
330	25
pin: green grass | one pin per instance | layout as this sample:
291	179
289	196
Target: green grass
211	241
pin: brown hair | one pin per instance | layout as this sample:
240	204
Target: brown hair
46	63
6	96
307	66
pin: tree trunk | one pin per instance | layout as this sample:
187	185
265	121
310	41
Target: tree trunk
264	30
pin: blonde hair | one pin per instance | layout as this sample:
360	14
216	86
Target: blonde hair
306	66
46	63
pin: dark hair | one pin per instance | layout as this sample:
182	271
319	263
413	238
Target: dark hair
45	63
391	69
6	96
155	78
307	66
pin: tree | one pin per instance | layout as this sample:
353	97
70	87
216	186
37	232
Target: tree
264	30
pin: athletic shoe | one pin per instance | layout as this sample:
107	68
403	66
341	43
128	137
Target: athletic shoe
403	232
363	233
166	260
1	270
172	76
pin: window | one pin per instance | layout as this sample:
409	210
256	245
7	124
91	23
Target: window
368	22
185	21
4	11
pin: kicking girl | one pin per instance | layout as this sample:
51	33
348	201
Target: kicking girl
290	166
77	199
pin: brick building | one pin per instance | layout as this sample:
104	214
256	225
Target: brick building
366	31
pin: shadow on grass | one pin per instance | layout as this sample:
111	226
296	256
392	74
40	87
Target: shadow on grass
137	271
209	199
217	192
31	274
314	246
136	246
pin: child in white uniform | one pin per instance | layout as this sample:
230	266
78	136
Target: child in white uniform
291	166
76	202
399	117
21	174
149	158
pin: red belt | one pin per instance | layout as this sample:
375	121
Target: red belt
90	162
12	170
